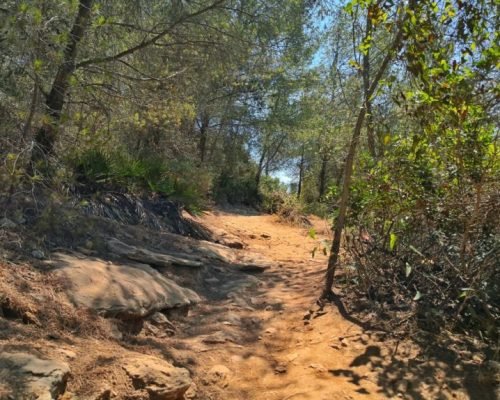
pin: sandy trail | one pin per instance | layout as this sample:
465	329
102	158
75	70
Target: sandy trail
280	354
255	336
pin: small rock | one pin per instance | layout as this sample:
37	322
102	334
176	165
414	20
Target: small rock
151	330
318	367
159	378
115	332
281	368
257	301
265	236
160	320
270	331
218	375
6	223
401	386
191	392
28	376
269	308
70	355
39	254
307	316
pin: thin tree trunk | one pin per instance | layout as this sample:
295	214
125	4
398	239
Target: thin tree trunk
260	167
205	122
339	224
301	173
366	86
29	120
322	176
45	137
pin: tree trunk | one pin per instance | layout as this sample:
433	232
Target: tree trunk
301	173
205	122
366	86
339	224
29	120
260	167
344	200
46	135
322	176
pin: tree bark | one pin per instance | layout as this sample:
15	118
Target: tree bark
366	86
260	167
301	173
322	176
45	137
29	120
338	226
205	122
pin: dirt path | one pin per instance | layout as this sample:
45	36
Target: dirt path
254	335
263	343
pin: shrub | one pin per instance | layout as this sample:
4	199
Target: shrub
229	188
97	170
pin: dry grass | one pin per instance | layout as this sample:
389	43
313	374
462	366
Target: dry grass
36	299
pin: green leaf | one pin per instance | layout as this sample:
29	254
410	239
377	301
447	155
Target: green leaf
101	20
418	296
37	64
312	233
392	240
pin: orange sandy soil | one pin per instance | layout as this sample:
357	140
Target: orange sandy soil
272	342
326	358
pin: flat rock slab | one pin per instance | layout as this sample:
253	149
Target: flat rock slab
160	379
25	376
119	290
150	257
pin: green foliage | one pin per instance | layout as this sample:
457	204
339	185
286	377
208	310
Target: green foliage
234	189
275	199
95	170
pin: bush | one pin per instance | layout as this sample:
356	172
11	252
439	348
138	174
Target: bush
426	242
232	189
97	170
276	200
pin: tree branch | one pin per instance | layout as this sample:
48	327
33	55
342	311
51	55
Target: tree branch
153	40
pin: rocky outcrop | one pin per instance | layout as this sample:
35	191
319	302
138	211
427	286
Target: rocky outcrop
158	378
25	376
119	290
146	256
